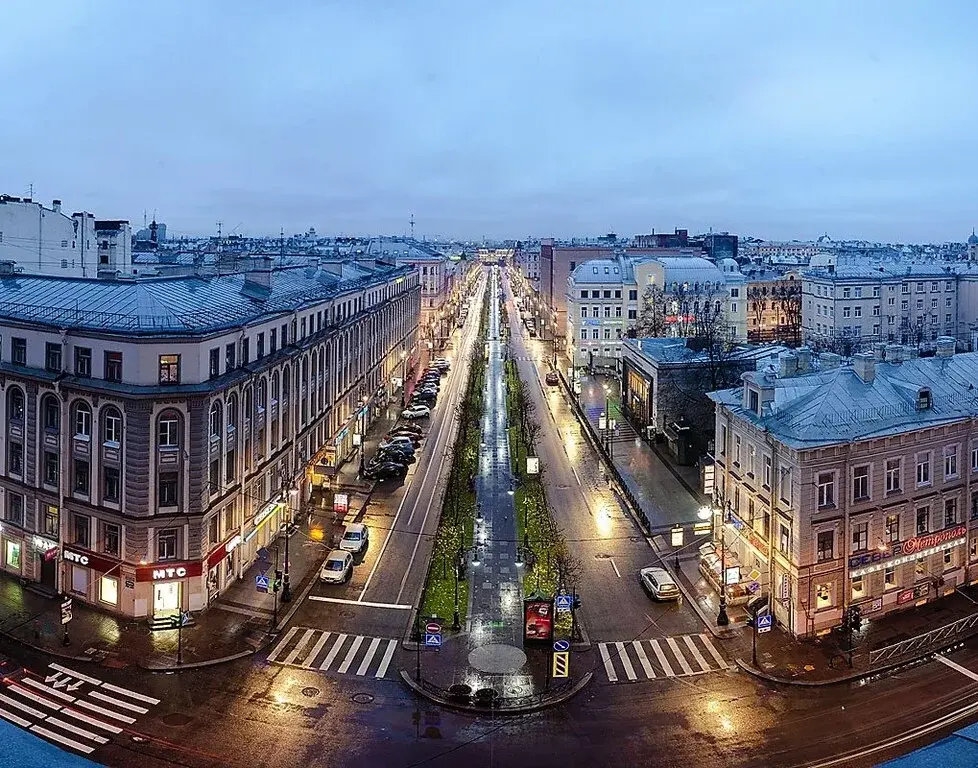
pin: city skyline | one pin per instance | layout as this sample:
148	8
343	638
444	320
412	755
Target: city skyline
500	122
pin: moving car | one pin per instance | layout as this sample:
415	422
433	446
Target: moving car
416	412
385	470
659	584
338	567
552	378
356	537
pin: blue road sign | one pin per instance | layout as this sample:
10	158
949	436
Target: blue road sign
261	582
561	645
764	622
564	603
432	639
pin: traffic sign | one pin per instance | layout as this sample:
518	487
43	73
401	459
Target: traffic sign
561	666
66	610
764	622
432	639
433	627
65	616
261	582
561	645
564	603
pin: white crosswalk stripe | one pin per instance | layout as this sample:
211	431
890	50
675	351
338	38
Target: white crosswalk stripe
681	656
327	651
58	707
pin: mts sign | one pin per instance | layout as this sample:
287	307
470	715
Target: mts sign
75	557
169	573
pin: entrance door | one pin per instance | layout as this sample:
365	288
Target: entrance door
48	571
166	597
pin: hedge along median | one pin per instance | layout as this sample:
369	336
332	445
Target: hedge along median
455	525
548	563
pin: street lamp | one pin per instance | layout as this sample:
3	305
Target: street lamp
403	375
292	494
363	429
722	618
607	418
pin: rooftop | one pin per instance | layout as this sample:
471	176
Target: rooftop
826	407
677	350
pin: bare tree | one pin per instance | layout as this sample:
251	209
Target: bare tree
651	321
787	298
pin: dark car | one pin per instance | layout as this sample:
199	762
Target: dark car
385	470
408	428
393	454
412	436
425	398
552	378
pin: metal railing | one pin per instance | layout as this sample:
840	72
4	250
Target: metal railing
935	639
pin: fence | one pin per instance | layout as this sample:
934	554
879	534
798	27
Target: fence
920	644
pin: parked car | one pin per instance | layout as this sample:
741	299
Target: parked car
404	440
338	567
552	378
659	584
356	537
407	426
417	411
441	362
396	454
424	398
411	437
385	470
438	371
433	380
426	390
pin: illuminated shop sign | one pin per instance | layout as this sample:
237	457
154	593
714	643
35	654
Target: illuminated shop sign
905	551
164	572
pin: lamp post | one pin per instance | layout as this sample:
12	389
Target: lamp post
607	418
292	494
403	376
363	429
722	618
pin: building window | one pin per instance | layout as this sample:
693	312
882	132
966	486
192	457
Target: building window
950	512
260	343
246	350
826	546
583	311
110	488
786	485
584	334
112	427
949	559
860	536
633	295
15	458
110	539
951	462
607	310
923	468
213	526
595	311
166	544
169	369
229	357
923	520
826	489
51	412
214	476
823	596
784	539
860	483
52	357
50	468
18	351
889	577
113	366
82	471
858	588
82	531
920	568
52	521
167	489
272	340
893	467
737	450
15	509
722	446
892	528
83	361
108	590
169	433
214	366
83	421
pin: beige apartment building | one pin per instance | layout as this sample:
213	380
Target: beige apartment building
841	485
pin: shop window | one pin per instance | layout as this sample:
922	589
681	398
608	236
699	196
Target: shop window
948	559
920	568
12	555
108	590
823	596
858	587
889	577
79	580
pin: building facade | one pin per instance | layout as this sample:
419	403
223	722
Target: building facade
774	309
846	485
153	427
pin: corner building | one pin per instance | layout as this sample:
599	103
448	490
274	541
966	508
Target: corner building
847	485
153	428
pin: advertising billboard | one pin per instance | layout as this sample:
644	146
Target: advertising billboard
538	619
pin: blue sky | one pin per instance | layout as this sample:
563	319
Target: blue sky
499	119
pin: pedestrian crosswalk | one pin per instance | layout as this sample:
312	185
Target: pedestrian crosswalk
321	650
680	656
69	708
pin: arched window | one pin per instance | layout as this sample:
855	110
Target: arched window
216	421
51	413
82	419
275	389
286	385
232	413
260	395
15	404
111	425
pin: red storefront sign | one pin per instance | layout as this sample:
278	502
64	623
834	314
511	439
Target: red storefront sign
223	551
168	571
88	559
921	543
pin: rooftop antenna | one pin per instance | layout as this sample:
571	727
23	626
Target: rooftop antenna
30	191
220	242
144	218
412	226
281	247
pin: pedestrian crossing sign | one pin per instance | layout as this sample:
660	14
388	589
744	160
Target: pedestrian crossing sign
561	666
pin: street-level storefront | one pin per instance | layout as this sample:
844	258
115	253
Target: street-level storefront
98	580
222	566
12	550
742	555
170	587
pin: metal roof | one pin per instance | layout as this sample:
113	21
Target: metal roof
175	304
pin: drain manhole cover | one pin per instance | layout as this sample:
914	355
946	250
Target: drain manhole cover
362	698
176	719
346	614
310	692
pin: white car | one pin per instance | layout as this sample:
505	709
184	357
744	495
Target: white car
441	362
659	584
355	539
416	412
338	567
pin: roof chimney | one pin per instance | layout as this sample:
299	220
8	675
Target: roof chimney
56	206
804	355
788	365
864	365
945	346
827	361
894	353
258	277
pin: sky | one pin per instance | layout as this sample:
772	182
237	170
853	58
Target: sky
499	119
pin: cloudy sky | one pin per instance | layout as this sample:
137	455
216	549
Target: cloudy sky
499	118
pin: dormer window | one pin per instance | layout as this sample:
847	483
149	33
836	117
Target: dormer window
754	401
924	399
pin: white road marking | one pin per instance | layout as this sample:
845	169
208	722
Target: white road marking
957	667
350	654
643	658
127	692
332	652
35	698
91	720
608	666
311	658
625	661
79	675
118	702
14	718
386	660
714	652
371	650
617	572
368	604
22	706
679	656
281	645
306	637
103	711
663	661
83	748
77	731
696	653
50	691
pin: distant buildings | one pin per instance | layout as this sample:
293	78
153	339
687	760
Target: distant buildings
774	309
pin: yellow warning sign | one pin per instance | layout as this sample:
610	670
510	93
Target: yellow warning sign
561	664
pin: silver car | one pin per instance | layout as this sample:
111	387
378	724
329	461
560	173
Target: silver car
356	537
659	584
338	567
